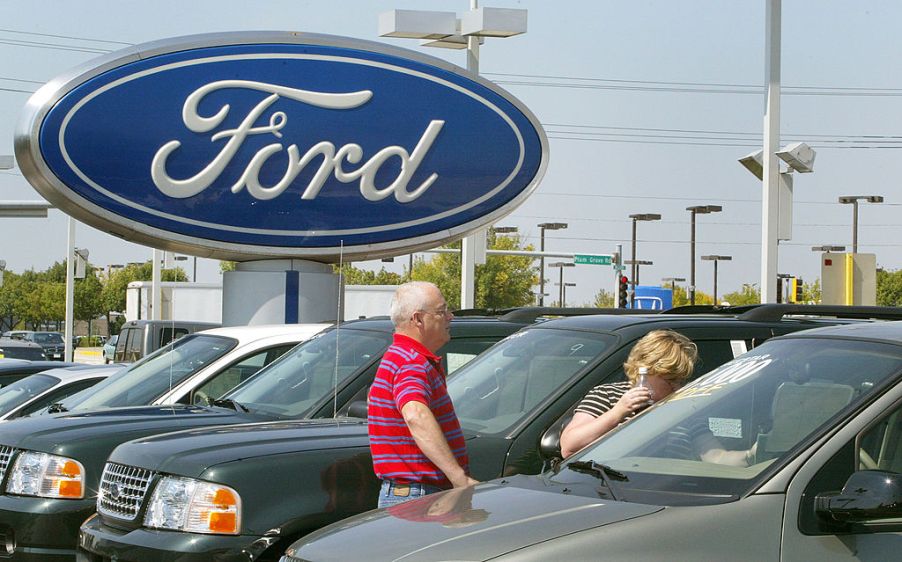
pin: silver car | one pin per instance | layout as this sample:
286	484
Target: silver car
792	451
35	392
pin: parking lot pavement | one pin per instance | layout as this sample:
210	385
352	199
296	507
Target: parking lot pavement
89	355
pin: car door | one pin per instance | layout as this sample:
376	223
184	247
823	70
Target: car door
871	440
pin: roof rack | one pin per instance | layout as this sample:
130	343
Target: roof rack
529	314
774	312
710	309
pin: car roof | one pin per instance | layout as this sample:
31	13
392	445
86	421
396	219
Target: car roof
81	372
879	331
13	342
252	333
22	365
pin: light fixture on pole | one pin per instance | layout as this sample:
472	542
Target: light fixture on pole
444	29
828	248
715	259
564	293
636	264
504	229
696	210
24	209
185	258
853	200
561	265
635	271
2	269
673	281
777	198
542	228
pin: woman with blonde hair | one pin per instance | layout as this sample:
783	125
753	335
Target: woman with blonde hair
659	363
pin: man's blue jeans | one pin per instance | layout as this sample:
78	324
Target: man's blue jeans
393	493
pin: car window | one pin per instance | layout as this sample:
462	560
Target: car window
460	351
503	385
158	373
237	373
58	396
23	390
168	334
48	338
710	440
307	375
132	349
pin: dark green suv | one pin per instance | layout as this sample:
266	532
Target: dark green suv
50	467
279	481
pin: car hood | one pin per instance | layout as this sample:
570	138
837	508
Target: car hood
190	453
79	432
478	523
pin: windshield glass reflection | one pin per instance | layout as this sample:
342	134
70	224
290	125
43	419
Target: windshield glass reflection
709	441
307	375
505	384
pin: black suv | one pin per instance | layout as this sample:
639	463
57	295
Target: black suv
52	342
50	466
279	481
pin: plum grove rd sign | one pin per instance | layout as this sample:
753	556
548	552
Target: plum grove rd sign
592	259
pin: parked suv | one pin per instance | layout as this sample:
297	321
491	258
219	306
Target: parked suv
313	380
53	344
138	338
512	401
815	418
11	348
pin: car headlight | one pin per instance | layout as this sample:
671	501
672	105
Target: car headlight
47	476
185	504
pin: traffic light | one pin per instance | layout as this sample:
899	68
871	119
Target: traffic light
623	292
797	289
779	289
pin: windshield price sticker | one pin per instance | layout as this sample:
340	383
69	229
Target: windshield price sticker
731	373
725	427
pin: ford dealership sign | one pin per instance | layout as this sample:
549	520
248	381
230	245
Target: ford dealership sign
267	145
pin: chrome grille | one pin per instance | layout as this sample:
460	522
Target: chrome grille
122	490
6	453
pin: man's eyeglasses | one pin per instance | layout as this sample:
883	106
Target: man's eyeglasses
443	311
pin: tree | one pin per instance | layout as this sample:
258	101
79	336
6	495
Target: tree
356	276
12	298
502	282
604	299
889	287
227	265
749	294
811	292
112	295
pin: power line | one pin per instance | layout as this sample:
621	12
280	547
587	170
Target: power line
64	36
40	45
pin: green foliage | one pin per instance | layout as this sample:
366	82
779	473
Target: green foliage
356	276
681	297
112	295
604	299
889	287
227	265
811	292
749	294
502	282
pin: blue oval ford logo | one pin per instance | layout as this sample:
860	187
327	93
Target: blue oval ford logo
243	146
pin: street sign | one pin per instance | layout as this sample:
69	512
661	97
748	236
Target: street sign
592	259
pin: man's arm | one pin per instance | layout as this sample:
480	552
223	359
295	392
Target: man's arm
429	438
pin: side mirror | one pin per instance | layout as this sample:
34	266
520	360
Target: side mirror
358	409
550	442
868	497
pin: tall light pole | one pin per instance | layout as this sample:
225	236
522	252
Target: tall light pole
561	265
715	259
542	228
636	218
696	210
446	30
564	293
853	200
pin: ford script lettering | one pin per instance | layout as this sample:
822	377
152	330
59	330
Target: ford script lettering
331	161
280	145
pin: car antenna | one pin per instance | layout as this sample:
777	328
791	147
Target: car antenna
341	255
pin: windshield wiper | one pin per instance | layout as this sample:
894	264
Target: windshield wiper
602	471
229	403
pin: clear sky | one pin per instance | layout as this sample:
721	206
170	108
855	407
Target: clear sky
647	105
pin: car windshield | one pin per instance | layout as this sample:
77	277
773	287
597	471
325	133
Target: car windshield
709	441
503	386
307	375
48	338
14	395
154	375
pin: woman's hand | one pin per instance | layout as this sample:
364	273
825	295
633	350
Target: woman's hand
636	399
